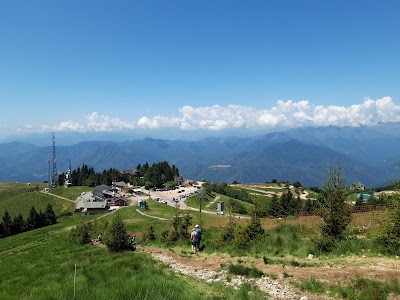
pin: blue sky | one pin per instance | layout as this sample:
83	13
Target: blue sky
187	65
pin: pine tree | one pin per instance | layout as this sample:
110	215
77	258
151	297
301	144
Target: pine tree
19	224
7	224
254	228
228	232
333	209
275	207
49	216
81	233
148	234
33	221
116	237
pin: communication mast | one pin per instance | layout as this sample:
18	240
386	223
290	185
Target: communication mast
55	179
49	182
68	177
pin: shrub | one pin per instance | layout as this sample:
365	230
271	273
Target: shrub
388	234
148	234
80	234
180	224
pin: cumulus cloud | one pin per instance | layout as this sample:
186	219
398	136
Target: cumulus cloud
92	122
285	114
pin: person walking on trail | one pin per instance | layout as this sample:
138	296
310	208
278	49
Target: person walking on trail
133	244
199	233
193	240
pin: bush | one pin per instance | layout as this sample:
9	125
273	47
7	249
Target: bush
80	234
179	231
388	234
148	234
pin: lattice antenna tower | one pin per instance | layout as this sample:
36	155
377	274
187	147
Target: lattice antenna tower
49	181
54	180
68	179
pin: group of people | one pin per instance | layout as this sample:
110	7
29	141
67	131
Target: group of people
195	239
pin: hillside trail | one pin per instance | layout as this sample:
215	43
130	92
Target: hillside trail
207	266
212	267
215	200
57	196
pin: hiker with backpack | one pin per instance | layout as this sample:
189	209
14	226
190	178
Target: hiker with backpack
193	240
198	235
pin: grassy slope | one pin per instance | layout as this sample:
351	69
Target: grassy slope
40	265
19	198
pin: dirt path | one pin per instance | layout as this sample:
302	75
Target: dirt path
212	267
212	202
277	282
207	267
54	195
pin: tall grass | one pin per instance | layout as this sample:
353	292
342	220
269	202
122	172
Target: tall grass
358	288
40	264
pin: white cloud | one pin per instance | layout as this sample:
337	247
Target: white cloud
285	114
94	122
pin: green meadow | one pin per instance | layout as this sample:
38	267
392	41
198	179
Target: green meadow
40	264
20	197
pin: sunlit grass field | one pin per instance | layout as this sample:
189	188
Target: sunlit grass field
40	264
20	197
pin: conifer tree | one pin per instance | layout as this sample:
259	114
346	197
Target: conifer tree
19	224
116	237
33	220
228	231
7	224
333	209
49	216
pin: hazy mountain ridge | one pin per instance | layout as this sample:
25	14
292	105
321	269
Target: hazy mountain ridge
369	155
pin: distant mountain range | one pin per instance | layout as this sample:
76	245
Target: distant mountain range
370	155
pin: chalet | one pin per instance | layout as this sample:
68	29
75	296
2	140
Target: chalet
123	187
98	191
120	185
93	207
131	173
109	195
120	202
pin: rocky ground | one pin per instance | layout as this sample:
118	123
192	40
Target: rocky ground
208	268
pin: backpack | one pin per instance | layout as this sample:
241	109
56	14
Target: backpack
198	233
195	237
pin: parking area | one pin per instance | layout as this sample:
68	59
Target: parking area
172	197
